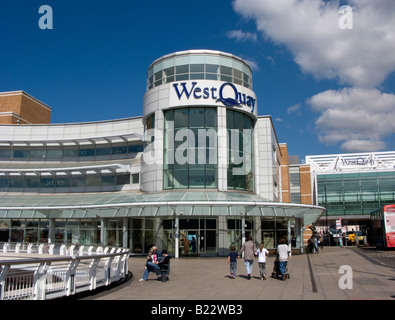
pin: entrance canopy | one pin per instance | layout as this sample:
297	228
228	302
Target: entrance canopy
135	204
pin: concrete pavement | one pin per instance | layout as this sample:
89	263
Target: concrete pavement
312	277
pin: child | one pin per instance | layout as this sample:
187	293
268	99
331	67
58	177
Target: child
232	260
262	254
152	255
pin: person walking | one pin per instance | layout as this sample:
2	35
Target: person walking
232	261
249	250
282	253
262	253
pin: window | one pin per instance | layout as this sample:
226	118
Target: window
108	180
5	154
20	154
227	70
88	152
240	169
103	151
135	178
190	153
55	154
123	179
38	154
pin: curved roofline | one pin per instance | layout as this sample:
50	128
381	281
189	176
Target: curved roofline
212	203
71	123
309	213
199	51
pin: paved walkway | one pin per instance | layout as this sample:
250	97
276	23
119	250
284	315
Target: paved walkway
313	276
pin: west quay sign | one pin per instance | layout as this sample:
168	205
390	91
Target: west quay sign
212	92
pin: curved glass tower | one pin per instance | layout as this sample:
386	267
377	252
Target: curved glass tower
199	113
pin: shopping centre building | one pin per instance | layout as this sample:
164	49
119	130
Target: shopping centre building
351	186
200	163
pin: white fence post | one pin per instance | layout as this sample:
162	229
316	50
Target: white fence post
51	248
92	273
107	271
70	277
62	250
40	280
71	250
3	276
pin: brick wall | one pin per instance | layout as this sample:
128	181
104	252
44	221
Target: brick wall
19	107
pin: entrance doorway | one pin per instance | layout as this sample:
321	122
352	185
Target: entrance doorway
199	242
190	243
197	236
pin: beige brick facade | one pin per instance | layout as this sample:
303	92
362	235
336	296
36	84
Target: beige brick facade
305	184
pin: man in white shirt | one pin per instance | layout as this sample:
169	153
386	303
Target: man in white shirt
282	253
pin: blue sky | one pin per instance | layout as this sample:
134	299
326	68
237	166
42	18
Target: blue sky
92	65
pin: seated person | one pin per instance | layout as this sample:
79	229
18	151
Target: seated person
153	267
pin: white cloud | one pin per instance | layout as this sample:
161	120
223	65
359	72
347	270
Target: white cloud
294	109
240	35
253	65
358	118
362	56
363	145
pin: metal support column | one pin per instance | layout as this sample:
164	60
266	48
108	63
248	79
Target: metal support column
176	237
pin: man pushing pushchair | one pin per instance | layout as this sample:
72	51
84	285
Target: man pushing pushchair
280	269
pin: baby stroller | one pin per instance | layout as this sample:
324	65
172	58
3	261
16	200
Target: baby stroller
276	274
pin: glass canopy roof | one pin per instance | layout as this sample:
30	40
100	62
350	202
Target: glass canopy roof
132	204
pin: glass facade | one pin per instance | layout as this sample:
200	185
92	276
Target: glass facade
26	230
84	232
190	148
199	67
240	165
355	193
67	179
275	228
200	232
77	153
141	234
64	182
294	184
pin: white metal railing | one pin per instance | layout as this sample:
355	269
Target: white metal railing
48	271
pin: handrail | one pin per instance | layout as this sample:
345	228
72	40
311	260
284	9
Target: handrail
50	277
